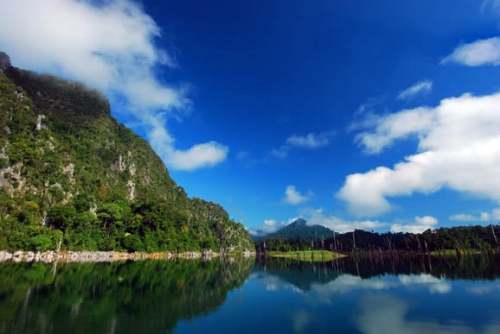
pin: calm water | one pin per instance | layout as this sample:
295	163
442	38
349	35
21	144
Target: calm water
420	295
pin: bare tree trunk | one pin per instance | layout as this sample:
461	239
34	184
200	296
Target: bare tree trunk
353	242
59	244
494	235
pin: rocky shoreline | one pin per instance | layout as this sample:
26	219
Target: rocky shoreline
51	256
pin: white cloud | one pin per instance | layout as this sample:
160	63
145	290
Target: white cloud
200	155
293	196
420	225
482	217
109	46
388	128
458	148
339	225
310	141
418	88
269	226
292	220
478	53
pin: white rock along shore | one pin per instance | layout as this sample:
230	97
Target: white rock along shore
69	256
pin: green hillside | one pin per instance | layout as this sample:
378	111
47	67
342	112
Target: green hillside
299	230
71	174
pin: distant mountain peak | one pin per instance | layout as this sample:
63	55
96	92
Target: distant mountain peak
298	222
299	229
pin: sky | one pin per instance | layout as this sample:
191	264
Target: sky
352	114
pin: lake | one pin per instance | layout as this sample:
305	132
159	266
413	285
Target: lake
366	295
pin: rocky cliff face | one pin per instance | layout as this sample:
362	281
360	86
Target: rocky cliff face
59	146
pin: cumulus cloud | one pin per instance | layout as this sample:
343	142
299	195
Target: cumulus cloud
458	147
481	217
478	53
110	46
386	129
293	196
339	225
420	225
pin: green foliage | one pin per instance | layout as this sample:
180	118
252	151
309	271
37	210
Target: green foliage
469	239
69	167
41	242
61	217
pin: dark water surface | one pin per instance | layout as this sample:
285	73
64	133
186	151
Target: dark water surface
384	295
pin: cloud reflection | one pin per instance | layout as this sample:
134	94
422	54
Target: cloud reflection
345	283
483	289
301	319
434	284
387	314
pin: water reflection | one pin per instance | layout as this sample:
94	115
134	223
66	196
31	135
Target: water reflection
381	273
364	295
389	314
389	295
137	297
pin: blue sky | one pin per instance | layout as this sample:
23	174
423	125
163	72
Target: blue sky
351	114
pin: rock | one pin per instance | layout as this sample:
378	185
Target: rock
4	256
18	255
30	256
51	256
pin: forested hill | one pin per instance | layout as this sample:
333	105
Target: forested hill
71	174
458	239
300	230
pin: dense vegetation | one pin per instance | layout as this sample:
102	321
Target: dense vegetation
136	297
463	238
72	177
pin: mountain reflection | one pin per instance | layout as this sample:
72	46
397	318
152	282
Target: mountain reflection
137	297
375	273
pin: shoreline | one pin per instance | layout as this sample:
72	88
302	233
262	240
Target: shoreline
89	256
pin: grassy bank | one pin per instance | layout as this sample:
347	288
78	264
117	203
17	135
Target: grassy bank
452	252
316	255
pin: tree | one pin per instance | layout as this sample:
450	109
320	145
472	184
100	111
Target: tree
61	217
